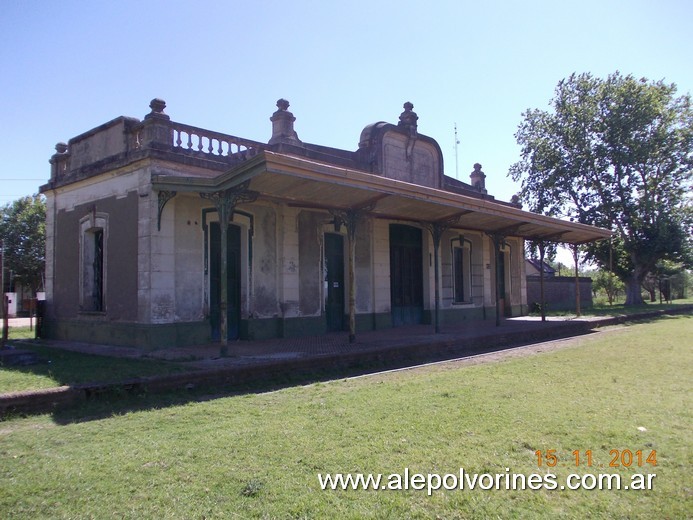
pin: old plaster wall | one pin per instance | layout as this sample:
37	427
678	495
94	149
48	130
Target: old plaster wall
381	267
189	258
265	301
409	160
362	270
287	240
102	142
309	262
120	250
162	262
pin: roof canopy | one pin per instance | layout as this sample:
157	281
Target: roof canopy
302	182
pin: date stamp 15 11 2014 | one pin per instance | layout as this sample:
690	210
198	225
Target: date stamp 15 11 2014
617	458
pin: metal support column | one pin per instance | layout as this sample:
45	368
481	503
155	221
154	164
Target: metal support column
225	202
498	242
576	259
350	218
437	229
542	303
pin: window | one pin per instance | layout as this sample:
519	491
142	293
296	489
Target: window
461	269
93	263
97	270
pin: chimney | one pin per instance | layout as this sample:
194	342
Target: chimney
283	125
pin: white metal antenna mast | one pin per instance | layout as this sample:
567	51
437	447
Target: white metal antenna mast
457	141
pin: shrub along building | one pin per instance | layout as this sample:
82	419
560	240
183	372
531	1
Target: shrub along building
162	234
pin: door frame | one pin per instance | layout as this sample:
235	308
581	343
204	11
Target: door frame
334	296
234	278
406	254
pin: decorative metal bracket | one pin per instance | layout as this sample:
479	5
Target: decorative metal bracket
164	197
439	227
226	200
350	217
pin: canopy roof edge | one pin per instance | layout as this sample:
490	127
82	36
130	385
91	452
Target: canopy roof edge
303	182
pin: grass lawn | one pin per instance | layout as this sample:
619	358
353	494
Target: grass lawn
258	455
61	367
619	309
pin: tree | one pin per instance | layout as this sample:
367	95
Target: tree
23	233
615	153
606	281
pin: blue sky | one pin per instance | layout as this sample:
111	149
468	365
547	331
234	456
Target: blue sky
69	66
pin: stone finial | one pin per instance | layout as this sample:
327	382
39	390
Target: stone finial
283	125
157	105
282	104
61	147
478	178
408	119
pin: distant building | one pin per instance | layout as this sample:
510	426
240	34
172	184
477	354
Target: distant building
19	296
534	268
316	239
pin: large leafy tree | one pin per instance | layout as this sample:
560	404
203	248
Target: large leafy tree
615	153
23	233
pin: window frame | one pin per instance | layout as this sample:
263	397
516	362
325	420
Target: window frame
464	249
91	227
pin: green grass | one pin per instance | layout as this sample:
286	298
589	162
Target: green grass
60	367
21	333
619	309
258	455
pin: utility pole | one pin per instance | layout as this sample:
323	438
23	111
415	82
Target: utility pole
2	277
5	322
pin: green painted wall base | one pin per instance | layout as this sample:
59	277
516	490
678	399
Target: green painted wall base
159	336
460	315
144	336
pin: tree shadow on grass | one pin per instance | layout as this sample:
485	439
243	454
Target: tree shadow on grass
136	395
70	368
116	401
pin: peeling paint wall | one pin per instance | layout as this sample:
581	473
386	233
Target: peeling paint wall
309	261
381	266
362	271
189	259
265	302
287	240
162	265
157	276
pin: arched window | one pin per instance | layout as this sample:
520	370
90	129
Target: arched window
93	239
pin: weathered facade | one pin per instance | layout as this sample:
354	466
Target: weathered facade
146	218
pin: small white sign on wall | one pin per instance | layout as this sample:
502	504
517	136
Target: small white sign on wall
12	304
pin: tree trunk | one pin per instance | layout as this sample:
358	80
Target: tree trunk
653	295
634	288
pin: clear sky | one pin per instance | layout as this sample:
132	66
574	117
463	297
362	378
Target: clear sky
68	66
